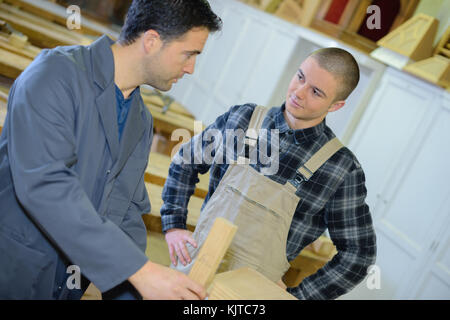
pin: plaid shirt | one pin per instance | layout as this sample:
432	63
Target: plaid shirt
333	198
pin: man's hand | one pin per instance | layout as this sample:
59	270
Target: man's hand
176	240
157	282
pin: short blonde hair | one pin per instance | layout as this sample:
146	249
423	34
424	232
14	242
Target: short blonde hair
342	65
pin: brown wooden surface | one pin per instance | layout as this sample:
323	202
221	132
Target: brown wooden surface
158	169
11	64
246	284
57	13
413	39
27	50
153	219
41	32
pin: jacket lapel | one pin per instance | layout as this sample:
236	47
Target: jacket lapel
103	75
106	106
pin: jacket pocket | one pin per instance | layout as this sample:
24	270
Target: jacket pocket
20	270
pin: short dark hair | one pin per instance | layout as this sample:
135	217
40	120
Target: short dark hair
342	65
170	18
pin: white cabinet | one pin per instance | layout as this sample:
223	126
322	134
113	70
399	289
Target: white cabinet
403	144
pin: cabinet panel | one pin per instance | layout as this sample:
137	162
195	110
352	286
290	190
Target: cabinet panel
418	200
387	130
402	144
435	283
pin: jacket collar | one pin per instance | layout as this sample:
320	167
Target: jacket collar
103	75
102	61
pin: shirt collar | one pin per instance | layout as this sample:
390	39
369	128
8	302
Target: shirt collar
299	134
120	96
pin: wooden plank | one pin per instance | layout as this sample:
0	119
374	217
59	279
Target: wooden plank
309	11
306	266
413	39
435	70
158	169
25	49
12	65
57	13
149	97
212	251
246	284
170	121
153	219
41	32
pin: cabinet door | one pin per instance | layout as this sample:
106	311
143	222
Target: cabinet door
427	201
402	148
390	126
434	279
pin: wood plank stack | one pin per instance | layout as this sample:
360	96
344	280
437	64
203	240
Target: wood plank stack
55	13
155	177
41	32
246	284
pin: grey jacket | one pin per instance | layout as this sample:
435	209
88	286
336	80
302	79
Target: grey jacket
68	189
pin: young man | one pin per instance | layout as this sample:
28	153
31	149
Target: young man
284	202
73	153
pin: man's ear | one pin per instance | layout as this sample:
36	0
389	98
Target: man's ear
151	41
336	106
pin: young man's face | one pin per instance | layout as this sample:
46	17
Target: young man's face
311	95
171	60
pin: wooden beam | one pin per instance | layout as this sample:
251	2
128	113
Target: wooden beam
150	97
153	219
170	121
246	284
12	65
158	169
25	49
41	32
57	13
212	251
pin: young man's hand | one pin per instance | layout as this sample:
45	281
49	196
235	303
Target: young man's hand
156	282
176	240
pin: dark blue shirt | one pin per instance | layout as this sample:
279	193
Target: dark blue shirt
123	106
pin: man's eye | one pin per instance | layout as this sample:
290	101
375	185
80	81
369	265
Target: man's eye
317	93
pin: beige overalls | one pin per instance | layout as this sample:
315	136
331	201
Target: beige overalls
261	208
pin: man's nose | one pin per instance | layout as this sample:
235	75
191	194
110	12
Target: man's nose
190	66
300	91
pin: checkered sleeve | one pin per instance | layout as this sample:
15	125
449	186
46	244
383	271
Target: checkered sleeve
193	158
351	230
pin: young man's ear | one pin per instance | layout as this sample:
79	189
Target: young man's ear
151	41
336	106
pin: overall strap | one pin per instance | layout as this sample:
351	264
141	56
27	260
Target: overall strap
319	158
256	121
